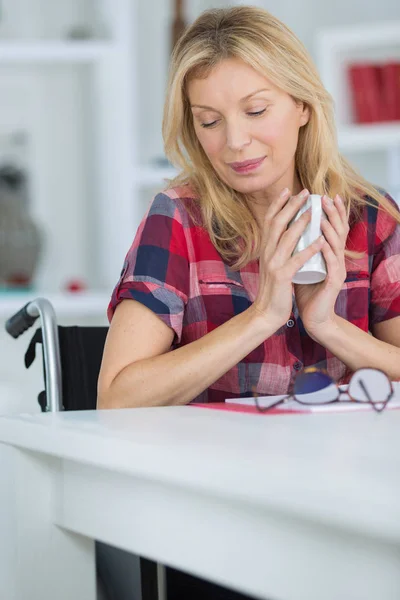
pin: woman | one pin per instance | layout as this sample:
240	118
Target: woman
204	309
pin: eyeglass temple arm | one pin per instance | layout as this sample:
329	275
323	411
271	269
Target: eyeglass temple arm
364	389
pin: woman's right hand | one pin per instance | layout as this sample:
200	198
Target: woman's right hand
277	265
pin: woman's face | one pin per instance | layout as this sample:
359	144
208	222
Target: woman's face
247	127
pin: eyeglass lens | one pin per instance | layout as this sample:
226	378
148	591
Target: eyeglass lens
372	382
314	387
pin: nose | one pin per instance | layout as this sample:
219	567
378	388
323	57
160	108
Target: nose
237	137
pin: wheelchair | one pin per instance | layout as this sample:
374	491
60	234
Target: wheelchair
71	363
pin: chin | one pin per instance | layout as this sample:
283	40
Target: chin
249	185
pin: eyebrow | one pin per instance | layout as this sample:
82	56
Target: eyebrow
241	100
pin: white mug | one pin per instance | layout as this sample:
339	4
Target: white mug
314	270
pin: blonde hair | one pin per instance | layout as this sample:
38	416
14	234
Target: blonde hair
270	47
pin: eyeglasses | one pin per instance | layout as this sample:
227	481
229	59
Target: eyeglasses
316	387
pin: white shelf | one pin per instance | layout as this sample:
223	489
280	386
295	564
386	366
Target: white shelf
369	137
53	51
143	176
363	35
77	304
336	48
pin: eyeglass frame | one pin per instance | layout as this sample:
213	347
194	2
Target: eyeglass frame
378	409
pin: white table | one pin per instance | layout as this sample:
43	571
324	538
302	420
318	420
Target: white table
293	507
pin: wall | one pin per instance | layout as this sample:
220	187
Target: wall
57	110
305	18
53	103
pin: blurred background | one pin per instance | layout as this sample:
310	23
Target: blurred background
81	154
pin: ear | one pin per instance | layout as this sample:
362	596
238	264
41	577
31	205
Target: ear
304	114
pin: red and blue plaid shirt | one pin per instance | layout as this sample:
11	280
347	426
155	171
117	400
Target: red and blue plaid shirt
173	268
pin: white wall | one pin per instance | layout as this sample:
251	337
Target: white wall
47	103
56	108
305	17
57	111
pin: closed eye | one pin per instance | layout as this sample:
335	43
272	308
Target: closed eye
208	125
250	114
257	114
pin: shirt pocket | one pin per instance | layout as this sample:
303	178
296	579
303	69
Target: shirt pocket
217	284
223	298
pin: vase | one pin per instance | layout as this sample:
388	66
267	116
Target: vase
20	238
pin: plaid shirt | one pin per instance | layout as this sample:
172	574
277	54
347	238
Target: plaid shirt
173	268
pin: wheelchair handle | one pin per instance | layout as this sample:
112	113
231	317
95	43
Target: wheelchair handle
23	320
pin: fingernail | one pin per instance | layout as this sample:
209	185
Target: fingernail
338	199
304	193
328	201
284	193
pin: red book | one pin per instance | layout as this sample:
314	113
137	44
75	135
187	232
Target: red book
366	93
390	75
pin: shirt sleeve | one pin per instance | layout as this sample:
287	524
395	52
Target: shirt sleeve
385	271
156	267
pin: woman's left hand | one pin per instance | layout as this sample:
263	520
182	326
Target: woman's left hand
316	302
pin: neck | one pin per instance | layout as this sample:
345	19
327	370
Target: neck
260	202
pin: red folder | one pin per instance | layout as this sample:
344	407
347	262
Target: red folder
390	76
366	92
242	408
336	407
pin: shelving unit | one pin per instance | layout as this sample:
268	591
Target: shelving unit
48	52
89	227
77	304
369	137
338	47
95	133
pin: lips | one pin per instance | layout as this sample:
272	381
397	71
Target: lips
246	163
247	166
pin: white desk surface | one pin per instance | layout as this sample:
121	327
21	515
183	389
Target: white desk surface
342	468
337	471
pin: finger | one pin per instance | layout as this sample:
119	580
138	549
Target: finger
336	243
285	208
271	234
332	263
300	259
291	208
333	216
341	210
291	236
276	206
276	226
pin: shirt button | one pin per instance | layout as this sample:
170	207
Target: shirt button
290	323
297	366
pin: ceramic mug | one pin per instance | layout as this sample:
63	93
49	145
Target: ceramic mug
314	270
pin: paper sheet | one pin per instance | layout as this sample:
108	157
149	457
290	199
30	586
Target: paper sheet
292	405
